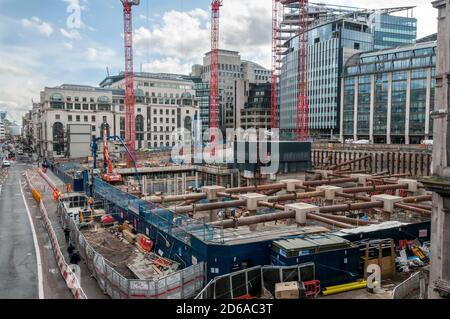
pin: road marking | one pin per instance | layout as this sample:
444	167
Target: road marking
36	248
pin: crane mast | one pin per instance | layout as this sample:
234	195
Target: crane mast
130	124
214	75
302	132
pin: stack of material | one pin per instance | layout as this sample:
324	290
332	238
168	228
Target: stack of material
287	290
163	265
129	236
128	232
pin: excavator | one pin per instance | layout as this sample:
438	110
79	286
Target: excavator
109	176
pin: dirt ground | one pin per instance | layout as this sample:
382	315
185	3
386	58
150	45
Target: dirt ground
117	253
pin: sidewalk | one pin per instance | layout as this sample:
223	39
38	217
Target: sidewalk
88	283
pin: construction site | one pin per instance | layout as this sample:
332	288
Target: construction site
334	220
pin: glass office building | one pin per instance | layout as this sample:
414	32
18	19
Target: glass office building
388	95
329	45
392	31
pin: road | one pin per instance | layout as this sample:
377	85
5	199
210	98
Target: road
18	262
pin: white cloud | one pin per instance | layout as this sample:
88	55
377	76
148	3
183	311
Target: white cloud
68	45
23	82
182	35
102	57
35	23
71	34
91	54
167	65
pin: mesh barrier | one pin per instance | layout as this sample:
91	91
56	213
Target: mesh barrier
181	228
182	284
255	281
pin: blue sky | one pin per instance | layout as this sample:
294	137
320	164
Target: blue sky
39	48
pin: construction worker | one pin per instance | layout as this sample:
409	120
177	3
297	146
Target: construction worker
90	202
67	234
75	258
70	250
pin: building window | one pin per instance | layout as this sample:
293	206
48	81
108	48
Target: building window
70	118
57	116
78	118
86	118
93	118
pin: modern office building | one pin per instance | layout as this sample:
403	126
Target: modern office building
387	95
256	113
335	34
391	31
329	45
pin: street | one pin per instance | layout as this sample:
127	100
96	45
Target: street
18	265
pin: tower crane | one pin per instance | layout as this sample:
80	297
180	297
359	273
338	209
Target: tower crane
214	75
130	124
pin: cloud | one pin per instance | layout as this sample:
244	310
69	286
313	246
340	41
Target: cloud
68	45
102	56
24	81
182	35
71	34
167	65
35	23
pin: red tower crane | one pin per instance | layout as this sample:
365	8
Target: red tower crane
275	62
130	124
302	97
214	75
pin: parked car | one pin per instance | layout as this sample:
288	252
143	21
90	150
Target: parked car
6	163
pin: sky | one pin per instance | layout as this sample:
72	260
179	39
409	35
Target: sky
52	42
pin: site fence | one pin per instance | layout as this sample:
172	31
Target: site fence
409	287
65	270
255	281
182	284
69	174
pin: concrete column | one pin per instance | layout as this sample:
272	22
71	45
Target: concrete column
372	103
389	110
144	185
355	111
428	105
408	107
184	183
341	126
